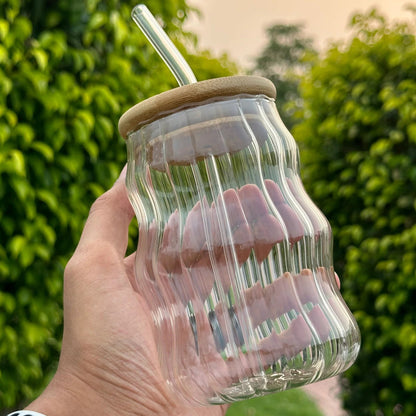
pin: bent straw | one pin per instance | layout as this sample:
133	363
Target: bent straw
163	45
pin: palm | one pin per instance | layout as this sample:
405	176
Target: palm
123	337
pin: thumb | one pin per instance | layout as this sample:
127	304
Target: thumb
108	221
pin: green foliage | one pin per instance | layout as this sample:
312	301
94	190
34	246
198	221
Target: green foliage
288	54
293	402
358	146
68	70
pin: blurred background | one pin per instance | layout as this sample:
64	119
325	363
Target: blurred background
345	74
221	26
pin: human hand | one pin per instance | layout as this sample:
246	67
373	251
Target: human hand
109	360
108	364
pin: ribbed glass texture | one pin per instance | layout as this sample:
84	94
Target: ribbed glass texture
233	256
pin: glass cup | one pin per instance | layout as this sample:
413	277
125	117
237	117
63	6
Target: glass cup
233	257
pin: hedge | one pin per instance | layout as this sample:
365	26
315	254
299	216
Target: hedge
68	70
358	146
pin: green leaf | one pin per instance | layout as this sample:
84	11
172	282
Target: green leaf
104	128
15	162
11	118
3	54
411	131
49	234
80	131
5	132
381	147
25	133
409	382
22	27
17	245
34	334
97	20
96	189
22	188
8	302
24	296
92	149
87	118
49	198
4	28
43	252
6	85
41	58
54	42
10	335
27	256
45	150
38	80
120	28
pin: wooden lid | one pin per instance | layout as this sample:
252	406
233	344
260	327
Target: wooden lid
170	101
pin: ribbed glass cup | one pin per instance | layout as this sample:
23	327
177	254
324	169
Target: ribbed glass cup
233	256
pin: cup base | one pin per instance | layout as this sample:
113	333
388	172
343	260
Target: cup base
259	386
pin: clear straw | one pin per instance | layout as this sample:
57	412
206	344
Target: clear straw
163	45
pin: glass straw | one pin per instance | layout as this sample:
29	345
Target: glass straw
163	45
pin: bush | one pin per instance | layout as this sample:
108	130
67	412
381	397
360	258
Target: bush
68	70
358	145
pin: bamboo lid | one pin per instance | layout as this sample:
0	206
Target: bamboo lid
188	95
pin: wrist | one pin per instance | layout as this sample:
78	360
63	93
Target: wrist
66	395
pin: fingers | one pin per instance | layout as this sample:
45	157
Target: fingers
293	224
198	358
108	220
